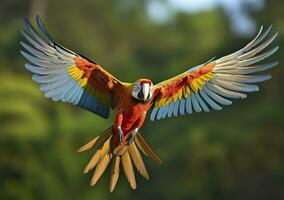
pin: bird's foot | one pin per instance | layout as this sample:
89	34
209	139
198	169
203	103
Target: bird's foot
132	136
119	134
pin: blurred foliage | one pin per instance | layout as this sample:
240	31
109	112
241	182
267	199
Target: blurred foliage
236	153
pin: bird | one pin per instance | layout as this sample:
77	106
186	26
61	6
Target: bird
66	76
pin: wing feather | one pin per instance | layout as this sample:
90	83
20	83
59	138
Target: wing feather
215	83
66	76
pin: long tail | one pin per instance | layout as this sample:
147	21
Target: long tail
105	151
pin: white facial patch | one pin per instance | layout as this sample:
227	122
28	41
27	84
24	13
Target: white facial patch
136	89
142	92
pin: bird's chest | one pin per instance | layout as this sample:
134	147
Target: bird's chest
132	113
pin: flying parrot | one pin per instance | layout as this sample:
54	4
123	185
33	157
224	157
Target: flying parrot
67	76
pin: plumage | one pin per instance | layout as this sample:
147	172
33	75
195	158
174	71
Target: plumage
70	93
160	112
50	78
100	153
258	68
38	53
171	108
36	70
154	113
43	30
74	93
188	106
243	78
106	147
78	95
258	49
94	161
100	168
97	141
138	161
63	93
216	97
236	86
114	173
37	45
202	103
141	147
209	101
128	170
224	92
67	76
54	85
250	45
165	111
35	35
51	93
261	37
195	103
258	58
182	107
147	149
65	52
176	108
50	59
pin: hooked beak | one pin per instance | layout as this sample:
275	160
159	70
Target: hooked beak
146	91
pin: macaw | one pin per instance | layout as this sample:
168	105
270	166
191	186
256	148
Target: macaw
67	76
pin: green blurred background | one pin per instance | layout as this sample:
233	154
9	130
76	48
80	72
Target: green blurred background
236	153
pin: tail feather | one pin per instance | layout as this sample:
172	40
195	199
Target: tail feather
99	154
148	151
138	161
93	162
120	150
128	169
105	152
106	148
100	169
99	140
114	173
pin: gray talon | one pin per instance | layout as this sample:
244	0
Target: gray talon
131	137
120	135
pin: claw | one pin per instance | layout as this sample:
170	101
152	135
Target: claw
132	136
120	134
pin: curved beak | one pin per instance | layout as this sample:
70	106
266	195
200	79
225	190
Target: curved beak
146	91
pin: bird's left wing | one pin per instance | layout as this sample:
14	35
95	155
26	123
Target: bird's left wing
67	76
213	84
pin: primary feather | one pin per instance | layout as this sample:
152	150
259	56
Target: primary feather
66	76
216	82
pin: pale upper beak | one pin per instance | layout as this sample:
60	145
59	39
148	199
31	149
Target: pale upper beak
146	91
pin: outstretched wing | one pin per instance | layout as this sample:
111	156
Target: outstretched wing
214	84
66	76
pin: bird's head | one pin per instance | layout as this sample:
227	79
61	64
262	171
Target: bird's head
142	90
